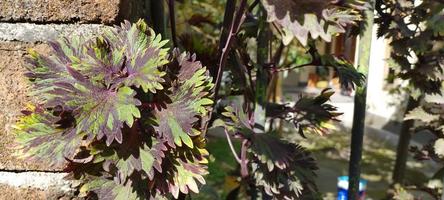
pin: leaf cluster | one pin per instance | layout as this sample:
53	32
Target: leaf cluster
313	18
119	113
416	34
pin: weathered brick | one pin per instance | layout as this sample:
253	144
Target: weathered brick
83	11
13	98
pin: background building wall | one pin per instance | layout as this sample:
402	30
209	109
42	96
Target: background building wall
384	107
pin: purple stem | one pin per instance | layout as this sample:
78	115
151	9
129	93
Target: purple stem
235	26
244	160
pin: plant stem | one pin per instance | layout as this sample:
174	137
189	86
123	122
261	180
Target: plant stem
244	159
232	147
263	58
286	68
225	49
158	17
234	28
253	5
171	8
360	110
230	10
402	150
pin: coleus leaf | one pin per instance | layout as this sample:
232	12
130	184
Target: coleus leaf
315	110
40	139
187	99
438	147
308	113
347	73
282	170
93	78
431	114
270	151
426	76
144	53
435	98
102	62
236	120
185	178
317	18
132	156
45	71
182	170
98	111
108	189
420	114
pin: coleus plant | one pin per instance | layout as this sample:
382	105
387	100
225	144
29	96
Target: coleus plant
279	169
127	116
119	113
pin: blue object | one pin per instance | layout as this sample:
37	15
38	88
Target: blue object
343	188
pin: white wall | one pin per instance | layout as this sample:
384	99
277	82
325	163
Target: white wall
379	101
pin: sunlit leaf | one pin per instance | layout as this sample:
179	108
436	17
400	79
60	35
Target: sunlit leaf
312	18
40	140
281	169
144	53
420	114
186	99
308	114
439	147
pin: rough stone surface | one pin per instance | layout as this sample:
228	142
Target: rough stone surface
13	89
13	193
37	180
27	32
83	11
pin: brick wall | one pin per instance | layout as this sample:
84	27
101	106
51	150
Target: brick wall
29	24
